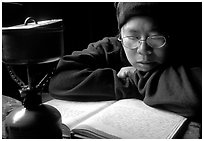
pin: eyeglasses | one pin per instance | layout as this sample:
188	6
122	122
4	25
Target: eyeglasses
133	42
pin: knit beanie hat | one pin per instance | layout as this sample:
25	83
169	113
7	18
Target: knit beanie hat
157	10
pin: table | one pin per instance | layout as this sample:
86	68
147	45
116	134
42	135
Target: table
193	130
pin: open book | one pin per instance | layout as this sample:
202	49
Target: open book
127	118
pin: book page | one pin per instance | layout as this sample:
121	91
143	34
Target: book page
132	118
74	112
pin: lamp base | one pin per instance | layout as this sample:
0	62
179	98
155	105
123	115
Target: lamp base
40	122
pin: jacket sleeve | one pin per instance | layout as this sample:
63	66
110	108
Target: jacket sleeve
87	75
177	89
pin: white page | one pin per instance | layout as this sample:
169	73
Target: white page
73	112
131	118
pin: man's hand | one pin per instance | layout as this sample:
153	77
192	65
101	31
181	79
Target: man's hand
125	72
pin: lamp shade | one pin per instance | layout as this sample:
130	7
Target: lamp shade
33	42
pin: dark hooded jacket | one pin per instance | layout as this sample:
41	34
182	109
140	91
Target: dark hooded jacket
91	74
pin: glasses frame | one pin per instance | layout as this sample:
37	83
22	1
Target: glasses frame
140	41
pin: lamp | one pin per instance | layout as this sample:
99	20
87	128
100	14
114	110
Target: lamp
34	47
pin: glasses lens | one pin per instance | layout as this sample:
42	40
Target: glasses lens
131	42
156	41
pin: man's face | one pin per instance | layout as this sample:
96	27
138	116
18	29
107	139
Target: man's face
144	57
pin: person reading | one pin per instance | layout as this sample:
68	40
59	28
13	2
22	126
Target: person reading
143	61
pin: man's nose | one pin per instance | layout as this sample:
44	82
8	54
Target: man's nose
144	48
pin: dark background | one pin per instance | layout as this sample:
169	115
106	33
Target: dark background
86	22
83	23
